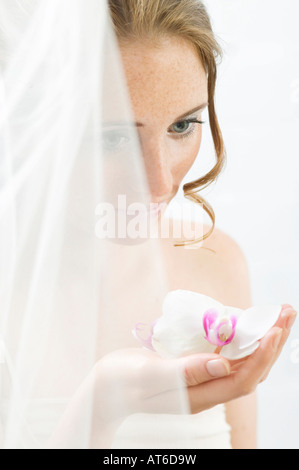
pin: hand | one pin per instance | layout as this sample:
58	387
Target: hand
246	374
149	383
136	380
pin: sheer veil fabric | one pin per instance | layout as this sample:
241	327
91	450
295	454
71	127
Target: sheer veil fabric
73	284
78	270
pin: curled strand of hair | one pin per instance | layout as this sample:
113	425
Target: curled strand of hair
209	210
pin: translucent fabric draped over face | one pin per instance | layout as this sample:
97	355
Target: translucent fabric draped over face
76	272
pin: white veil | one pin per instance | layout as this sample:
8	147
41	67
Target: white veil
70	295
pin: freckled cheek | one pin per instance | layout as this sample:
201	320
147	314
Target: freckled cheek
186	153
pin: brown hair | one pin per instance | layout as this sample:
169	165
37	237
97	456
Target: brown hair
151	19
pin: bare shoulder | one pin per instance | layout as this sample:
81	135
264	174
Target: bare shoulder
218	268
225	248
228	268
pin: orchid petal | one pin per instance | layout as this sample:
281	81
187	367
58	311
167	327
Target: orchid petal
195	323
237	312
232	352
254	323
146	342
209	319
219	331
180	330
170	343
181	302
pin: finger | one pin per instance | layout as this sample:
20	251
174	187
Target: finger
164	379
285	321
172	375
260	361
287	317
200	368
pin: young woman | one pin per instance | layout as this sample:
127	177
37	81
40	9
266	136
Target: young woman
70	301
169	56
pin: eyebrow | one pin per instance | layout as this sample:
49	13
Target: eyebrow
179	118
183	116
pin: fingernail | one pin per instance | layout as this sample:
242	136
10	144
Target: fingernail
290	316
217	368
276	340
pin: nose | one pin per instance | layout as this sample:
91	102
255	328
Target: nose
159	171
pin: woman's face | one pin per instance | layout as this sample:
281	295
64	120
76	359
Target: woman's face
168	90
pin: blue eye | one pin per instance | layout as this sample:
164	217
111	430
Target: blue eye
181	127
114	140
184	128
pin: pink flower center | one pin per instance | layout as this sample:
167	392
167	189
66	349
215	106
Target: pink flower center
219	331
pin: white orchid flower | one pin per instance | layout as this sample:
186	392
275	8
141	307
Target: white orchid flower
195	323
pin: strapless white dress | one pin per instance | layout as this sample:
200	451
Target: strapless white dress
206	430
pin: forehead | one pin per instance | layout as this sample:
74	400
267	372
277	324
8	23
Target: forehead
164	80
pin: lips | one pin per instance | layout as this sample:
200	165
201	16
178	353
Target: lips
156	207
159	206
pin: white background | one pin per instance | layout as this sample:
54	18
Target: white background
256	199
